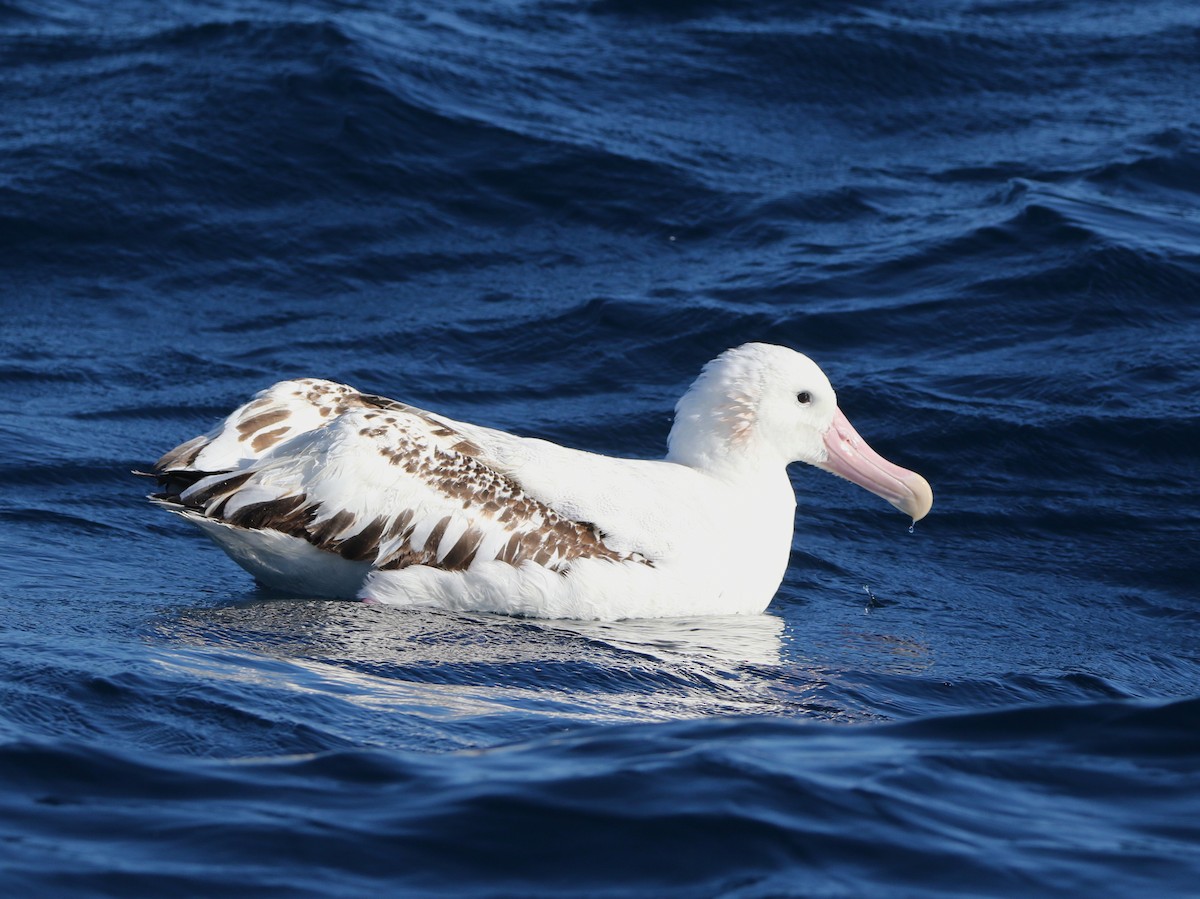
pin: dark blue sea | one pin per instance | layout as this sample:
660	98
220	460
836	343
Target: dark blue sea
981	217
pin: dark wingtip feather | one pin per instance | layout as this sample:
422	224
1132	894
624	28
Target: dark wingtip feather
183	455
175	481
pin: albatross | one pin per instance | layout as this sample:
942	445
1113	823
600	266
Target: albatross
317	489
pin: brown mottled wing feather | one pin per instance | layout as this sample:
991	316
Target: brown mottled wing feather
372	480
275	415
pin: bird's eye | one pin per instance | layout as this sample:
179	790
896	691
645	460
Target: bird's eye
804	397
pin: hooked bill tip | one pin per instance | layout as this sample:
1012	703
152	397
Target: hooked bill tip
919	500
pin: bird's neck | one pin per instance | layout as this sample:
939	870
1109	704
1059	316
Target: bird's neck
716	428
727	452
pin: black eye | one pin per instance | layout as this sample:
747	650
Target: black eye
804	397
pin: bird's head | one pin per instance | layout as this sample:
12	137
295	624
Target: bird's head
760	404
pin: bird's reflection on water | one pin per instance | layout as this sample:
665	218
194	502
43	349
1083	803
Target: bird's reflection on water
442	665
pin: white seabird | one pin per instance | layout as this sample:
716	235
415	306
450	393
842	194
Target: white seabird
320	490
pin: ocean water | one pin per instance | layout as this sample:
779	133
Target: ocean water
981	218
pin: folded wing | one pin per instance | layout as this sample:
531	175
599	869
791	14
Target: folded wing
373	480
